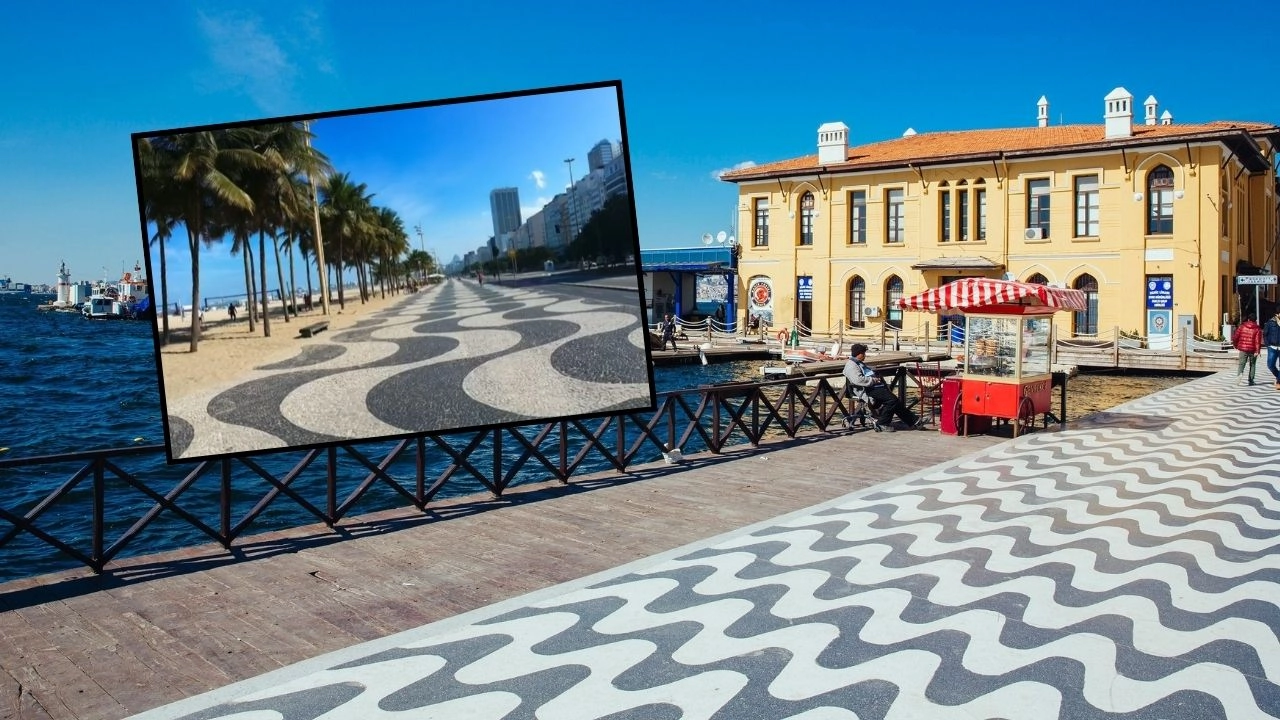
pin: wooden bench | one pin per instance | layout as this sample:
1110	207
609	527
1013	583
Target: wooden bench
314	328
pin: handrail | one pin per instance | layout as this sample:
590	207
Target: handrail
93	516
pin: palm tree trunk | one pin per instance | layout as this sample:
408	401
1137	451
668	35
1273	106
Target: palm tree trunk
293	273
285	302
248	287
164	297
262	272
341	302
194	241
307	262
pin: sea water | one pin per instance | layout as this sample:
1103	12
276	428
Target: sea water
69	384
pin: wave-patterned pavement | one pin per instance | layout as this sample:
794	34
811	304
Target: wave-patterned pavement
461	355
1127	567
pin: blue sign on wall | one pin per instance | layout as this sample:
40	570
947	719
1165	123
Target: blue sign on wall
1159	292
804	288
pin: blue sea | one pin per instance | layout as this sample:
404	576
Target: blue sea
69	385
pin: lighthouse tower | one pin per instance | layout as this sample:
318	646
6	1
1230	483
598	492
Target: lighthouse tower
64	286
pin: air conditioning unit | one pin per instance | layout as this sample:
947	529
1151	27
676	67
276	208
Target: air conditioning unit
1034	233
872	312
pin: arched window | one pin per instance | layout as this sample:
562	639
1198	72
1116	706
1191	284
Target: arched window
892	292
1038	279
806	218
1160	201
857	302
1085	322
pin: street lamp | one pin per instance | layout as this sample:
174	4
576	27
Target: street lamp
418	229
573	207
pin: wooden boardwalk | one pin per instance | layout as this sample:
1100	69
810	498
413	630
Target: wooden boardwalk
162	628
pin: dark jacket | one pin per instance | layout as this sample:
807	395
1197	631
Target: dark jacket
1271	333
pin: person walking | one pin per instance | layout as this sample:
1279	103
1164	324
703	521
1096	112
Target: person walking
668	329
1271	338
231	311
1247	340
886	404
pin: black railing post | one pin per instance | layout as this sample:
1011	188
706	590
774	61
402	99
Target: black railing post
420	470
622	441
716	441
224	502
331	484
497	463
564	449
99	512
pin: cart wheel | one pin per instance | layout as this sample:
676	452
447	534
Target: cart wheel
958	417
1026	417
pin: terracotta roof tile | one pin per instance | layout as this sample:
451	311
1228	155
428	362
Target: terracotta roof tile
936	146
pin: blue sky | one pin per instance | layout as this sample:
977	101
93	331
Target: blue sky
707	86
435	166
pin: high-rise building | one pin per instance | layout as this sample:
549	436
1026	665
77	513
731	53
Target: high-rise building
504	207
600	155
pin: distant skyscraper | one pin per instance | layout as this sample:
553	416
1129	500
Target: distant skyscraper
600	155
504	206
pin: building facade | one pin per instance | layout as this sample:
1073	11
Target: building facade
504	208
600	155
1153	220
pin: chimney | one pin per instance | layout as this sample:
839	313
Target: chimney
833	143
1166	118
1151	109
1119	115
1042	112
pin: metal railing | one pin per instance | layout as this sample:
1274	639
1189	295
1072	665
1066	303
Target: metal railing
103	507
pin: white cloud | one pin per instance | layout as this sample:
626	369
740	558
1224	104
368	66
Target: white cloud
715	174
246	56
539	178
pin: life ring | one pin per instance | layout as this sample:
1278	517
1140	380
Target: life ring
783	335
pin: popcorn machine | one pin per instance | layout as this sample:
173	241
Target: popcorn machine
1005	369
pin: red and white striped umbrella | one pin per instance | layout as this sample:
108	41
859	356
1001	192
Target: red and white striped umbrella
978	293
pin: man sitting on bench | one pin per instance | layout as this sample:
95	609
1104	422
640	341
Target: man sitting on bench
883	402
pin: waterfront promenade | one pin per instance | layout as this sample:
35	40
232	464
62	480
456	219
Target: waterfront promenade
1122	567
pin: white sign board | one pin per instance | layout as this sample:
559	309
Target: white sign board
1256	280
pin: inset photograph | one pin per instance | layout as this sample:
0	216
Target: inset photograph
394	271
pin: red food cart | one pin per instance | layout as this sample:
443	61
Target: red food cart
1004	372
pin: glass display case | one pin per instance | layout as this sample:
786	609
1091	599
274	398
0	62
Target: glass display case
1006	347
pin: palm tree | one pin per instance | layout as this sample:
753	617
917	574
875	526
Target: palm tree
344	218
199	165
160	205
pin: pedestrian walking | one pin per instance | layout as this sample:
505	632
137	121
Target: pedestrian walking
885	403
231	311
1247	340
668	329
1271	338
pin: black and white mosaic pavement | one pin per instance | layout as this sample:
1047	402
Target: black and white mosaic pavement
461	355
1128	567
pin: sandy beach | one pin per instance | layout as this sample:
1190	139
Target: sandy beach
228	351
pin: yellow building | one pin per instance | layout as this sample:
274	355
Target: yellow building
1153	220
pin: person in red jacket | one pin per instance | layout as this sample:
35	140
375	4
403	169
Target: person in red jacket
1247	339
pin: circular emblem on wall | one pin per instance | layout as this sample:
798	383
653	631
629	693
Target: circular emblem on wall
761	293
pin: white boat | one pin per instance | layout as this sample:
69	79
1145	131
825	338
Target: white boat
127	299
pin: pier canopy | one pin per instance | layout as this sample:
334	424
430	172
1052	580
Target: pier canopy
985	293
704	261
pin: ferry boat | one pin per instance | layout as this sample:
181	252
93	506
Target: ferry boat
127	299
9	287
